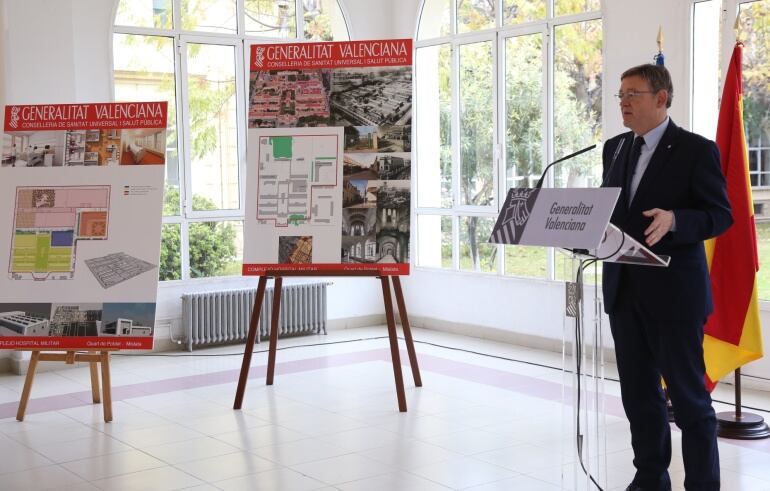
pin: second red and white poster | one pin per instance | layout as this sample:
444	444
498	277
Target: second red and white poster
329	157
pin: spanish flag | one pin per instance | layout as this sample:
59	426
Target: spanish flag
733	333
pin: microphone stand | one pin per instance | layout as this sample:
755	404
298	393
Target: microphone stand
566	157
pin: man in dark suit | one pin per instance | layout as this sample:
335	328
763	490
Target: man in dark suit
673	198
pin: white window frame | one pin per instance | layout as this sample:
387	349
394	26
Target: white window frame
497	36
241	43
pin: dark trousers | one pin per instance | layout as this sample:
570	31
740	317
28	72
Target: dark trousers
647	349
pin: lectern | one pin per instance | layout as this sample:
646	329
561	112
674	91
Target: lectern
576	220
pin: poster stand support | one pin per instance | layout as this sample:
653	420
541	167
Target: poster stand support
70	357
389	314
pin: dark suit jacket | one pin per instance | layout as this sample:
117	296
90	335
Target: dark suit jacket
684	175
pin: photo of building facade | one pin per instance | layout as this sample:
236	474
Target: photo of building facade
19	323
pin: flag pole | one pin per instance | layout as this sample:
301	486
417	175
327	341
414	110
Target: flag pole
738	425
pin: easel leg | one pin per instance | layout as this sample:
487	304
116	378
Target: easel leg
97	398
27	386
274	330
250	340
407	331
394	355
106	386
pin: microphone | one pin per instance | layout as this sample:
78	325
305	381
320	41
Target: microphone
567	157
612	164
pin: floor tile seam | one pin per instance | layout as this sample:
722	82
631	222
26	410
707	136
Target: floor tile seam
397	471
128	474
159	465
277	468
82	480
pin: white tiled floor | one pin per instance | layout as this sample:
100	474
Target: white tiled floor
334	426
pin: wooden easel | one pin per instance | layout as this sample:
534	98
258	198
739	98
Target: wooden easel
389	314
70	357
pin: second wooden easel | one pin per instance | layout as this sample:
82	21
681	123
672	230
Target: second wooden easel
389	315
70	357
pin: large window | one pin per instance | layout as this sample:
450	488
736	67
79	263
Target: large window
708	69
502	88
192	53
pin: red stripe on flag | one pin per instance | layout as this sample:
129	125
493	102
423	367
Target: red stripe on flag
734	264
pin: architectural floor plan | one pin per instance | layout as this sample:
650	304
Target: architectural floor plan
298	179
49	222
116	268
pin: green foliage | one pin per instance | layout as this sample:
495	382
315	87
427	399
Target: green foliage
577	113
212	244
755	34
170	252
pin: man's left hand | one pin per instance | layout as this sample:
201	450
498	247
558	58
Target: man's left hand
662	221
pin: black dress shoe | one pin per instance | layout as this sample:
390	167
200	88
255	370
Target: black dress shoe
634	487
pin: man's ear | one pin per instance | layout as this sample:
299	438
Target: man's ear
661	98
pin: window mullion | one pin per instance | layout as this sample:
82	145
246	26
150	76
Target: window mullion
176	15
299	13
240	17
184	249
548	133
455	152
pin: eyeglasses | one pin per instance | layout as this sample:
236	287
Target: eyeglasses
632	94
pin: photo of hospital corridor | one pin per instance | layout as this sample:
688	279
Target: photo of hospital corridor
143	147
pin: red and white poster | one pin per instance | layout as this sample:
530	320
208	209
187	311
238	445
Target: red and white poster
329	157
82	186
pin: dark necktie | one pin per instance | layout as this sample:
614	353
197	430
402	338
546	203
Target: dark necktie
633	159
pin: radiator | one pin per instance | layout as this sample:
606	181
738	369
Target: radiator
223	316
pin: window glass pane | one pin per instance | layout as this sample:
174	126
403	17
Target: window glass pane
435	241
213	126
271	18
755	29
705	66
564	269
755	34
518	11
474	15
527	261
578	102
476	254
171	252
216	248
435	19
434	133
523	110
477	116
144	13
209	16
323	21
144	71
566	7
763	244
